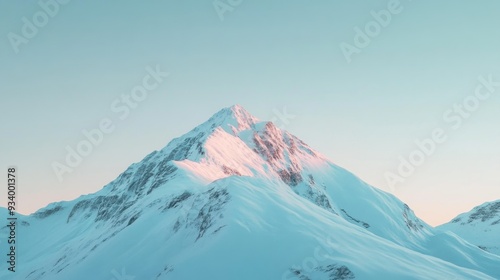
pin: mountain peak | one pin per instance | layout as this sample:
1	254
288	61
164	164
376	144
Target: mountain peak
236	109
233	119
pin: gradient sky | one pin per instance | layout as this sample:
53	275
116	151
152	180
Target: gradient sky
264	55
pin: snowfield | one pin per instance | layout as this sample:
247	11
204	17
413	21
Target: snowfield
237	198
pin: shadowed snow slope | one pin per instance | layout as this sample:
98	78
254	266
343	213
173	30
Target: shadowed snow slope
237	198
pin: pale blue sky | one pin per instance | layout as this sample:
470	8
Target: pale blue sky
265	55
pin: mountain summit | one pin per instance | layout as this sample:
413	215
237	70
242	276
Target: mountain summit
235	118
239	198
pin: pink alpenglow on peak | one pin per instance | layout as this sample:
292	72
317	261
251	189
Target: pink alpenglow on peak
234	119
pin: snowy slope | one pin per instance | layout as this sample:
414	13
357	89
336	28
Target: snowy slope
480	226
236	198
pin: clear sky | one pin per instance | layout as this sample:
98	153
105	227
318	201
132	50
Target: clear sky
267	56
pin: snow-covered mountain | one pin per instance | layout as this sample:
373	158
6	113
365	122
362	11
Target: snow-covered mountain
237	198
480	226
